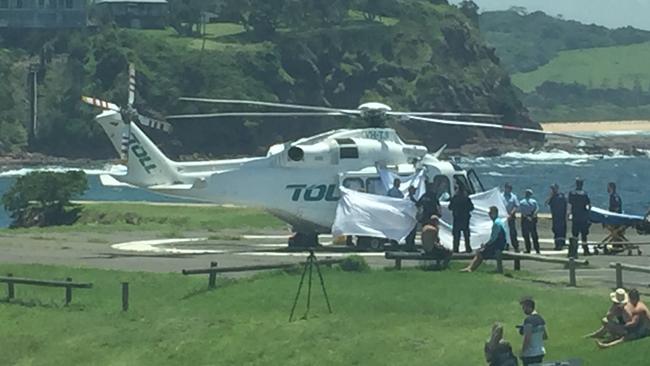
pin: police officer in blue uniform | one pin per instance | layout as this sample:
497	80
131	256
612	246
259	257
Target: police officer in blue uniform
558	204
528	208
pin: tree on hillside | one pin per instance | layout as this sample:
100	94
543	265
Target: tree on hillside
470	10
43	198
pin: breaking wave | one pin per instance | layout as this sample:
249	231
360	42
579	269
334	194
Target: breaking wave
108	169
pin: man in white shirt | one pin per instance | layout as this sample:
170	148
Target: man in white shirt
512	204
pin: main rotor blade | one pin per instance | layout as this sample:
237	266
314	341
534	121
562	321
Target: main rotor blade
100	103
495	126
256	114
131	84
446	114
271	104
154	123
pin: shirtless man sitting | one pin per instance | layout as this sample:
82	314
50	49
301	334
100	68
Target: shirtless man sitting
431	241
613	324
637	327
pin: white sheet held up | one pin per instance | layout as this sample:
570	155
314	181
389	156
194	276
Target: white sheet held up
364	214
480	222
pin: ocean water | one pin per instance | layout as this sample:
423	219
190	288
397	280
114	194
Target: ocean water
535	170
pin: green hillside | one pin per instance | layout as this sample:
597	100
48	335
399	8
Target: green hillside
416	55
606	67
525	41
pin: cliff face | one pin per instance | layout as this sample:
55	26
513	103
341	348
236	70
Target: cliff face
420	55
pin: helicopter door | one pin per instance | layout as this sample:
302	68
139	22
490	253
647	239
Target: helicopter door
475	181
461	181
442	187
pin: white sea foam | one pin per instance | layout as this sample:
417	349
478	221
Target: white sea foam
553	155
108	169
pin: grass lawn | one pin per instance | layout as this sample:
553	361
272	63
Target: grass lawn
593	66
408	317
107	217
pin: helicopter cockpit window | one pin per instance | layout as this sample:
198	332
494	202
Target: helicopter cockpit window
355	184
475	181
349	152
441	187
461	181
375	186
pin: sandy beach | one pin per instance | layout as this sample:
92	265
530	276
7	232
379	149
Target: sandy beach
602	126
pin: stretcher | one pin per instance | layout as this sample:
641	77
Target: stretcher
616	224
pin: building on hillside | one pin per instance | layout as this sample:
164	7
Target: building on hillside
46	14
145	14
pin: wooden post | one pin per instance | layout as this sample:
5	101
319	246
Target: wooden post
572	272
619	275
68	292
125	296
398	263
517	264
10	288
499	263
212	277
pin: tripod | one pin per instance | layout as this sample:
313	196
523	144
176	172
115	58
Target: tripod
309	265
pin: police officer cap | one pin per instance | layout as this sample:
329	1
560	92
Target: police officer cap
579	180
529	191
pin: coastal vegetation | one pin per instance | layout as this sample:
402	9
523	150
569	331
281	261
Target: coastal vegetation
43	198
416	54
379	318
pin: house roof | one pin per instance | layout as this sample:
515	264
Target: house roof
131	1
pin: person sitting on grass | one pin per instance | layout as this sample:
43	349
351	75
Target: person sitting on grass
431	241
613	324
639	325
498	352
494	245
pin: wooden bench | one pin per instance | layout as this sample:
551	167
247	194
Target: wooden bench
571	263
12	281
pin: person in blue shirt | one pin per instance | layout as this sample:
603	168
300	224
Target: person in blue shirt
494	245
558	204
528	208
512	204
394	191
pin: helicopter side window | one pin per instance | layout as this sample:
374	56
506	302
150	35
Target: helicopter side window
441	187
461	181
349	152
355	184
375	186
475	181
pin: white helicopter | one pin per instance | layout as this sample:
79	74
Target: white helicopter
296	181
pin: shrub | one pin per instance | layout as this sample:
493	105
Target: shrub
354	263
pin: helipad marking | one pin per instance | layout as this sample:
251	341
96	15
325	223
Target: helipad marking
319	254
152	246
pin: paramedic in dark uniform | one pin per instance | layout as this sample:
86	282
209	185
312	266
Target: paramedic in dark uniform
558	204
461	207
580	206
615	203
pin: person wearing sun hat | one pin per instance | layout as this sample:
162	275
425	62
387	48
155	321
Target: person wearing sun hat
637	327
619	313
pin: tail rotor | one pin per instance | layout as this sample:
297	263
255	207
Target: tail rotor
129	114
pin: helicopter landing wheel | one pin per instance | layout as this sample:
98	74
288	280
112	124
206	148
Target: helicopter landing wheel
303	240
